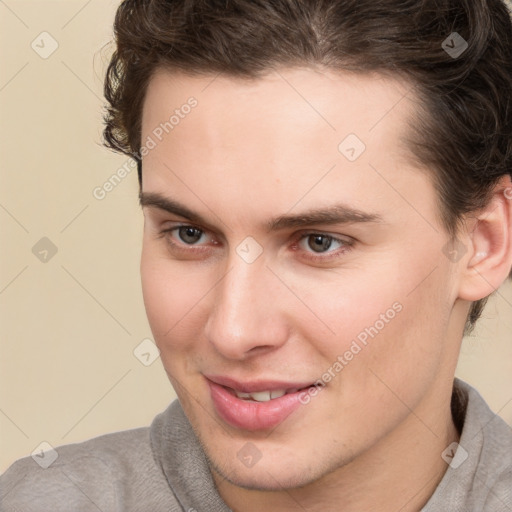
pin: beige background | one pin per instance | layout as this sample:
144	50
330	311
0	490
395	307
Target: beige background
70	324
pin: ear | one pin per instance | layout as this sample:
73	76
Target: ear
489	240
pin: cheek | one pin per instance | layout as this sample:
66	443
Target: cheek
171	297
348	306
381	320
402	357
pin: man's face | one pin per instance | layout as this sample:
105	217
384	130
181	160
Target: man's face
253	294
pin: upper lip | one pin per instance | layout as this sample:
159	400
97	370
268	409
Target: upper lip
255	386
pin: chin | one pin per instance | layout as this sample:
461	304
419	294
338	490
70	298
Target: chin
268	474
265	478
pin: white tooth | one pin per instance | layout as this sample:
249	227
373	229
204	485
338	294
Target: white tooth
241	394
261	396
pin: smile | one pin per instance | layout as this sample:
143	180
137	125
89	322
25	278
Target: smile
263	396
254	405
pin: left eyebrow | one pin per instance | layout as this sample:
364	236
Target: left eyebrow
334	214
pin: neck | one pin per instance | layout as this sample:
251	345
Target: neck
399	472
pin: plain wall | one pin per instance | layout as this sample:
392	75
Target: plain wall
70	324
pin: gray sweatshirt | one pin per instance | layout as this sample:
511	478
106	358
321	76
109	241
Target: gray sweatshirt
162	468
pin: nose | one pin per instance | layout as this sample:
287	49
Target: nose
248	311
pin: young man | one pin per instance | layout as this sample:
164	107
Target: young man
328	202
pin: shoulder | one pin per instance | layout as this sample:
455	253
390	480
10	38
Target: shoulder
499	493
97	474
493	478
479	476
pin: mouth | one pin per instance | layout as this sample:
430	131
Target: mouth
260	390
255	405
263	396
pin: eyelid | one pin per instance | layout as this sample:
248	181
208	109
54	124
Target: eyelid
346	241
334	236
180	225
164	218
297	237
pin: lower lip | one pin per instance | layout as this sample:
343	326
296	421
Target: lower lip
250	415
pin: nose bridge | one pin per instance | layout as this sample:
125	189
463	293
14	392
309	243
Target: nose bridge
242	316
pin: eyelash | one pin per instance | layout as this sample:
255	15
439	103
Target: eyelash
346	244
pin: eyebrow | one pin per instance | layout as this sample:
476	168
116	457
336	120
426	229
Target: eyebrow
334	214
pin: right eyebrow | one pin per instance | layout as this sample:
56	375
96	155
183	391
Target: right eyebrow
155	200
333	214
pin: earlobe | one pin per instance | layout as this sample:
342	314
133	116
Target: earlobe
489	246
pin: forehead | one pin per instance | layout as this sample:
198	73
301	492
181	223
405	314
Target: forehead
286	101
275	136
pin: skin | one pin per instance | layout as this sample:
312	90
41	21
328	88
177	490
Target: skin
252	151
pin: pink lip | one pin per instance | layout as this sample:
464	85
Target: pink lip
254	386
249	415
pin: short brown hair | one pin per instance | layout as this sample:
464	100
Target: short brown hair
463	130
